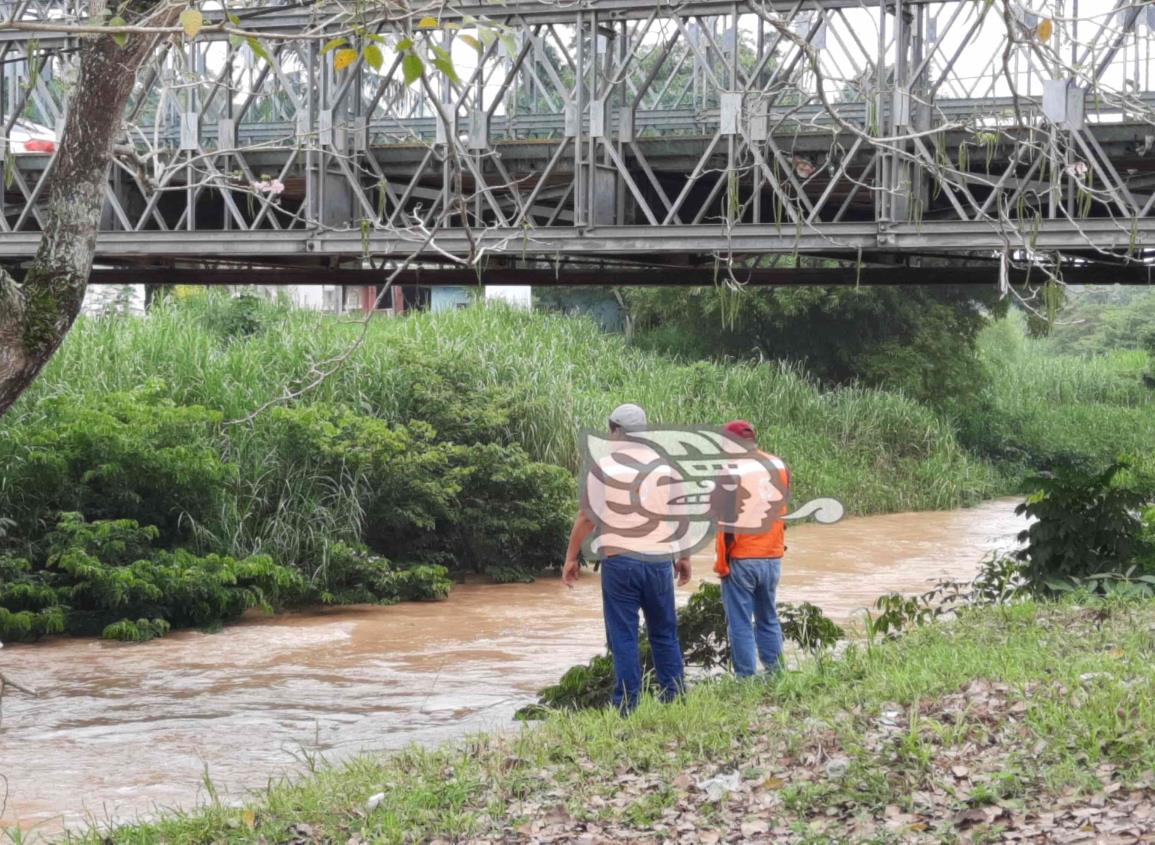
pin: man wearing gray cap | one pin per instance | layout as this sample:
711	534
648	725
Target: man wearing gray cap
633	579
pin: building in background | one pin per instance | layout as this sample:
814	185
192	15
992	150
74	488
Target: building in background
603	305
331	299
403	298
102	300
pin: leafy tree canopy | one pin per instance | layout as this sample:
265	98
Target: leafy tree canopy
918	339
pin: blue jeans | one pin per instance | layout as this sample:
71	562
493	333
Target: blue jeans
748	594
630	585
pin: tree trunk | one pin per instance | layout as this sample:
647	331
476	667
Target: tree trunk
36	314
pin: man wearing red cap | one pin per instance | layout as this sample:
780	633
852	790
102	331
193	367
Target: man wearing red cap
750	566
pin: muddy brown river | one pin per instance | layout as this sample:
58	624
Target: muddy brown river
121	731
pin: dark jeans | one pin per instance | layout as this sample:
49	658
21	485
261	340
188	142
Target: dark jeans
748	593
630	585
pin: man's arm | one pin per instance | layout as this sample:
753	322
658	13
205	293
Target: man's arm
583	526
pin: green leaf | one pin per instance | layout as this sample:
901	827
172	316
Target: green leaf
332	45
446	67
442	53
488	35
259	49
374	57
121	38
411	68
471	41
405	44
509	42
235	20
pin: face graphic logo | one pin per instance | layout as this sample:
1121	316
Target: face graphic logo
660	493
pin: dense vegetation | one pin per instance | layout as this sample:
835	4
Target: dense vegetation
920	340
1096	320
1018	391
924	732
130	504
449	440
1047	409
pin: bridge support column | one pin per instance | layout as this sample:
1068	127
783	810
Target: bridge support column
900	171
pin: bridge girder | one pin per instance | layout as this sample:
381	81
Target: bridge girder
621	129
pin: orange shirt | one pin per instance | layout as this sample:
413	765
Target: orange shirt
769	544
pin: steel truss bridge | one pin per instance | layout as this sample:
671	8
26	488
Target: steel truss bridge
597	141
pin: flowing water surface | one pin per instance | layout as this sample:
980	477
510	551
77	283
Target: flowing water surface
120	730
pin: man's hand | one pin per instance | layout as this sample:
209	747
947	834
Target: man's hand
570	572
682	567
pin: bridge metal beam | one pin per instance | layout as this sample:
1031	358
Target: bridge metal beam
869	239
568	276
715	128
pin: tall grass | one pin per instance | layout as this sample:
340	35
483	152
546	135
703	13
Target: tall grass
1051	408
876	451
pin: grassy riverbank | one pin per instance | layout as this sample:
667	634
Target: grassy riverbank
536	379
1037	719
550	375
445	440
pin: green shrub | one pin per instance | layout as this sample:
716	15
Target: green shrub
96	577
582	687
27	625
132	455
400	482
999	581
511	515
1086	525
897	613
702	628
453	395
423	582
808	626
482	507
232	317
357	576
702	633
140	631
363	578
